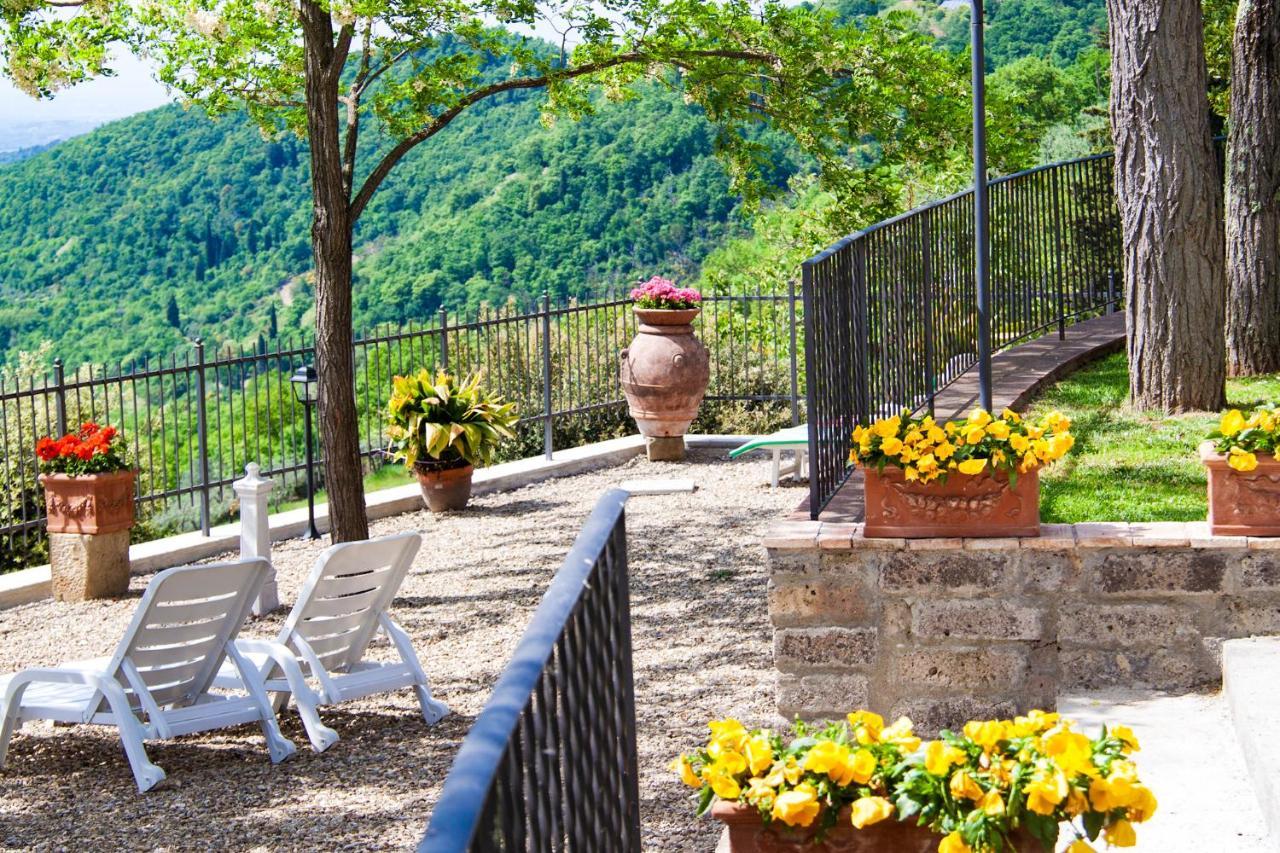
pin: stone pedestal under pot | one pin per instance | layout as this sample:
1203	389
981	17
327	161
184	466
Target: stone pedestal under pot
664	374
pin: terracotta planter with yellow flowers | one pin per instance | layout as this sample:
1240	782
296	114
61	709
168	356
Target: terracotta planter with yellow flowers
1033	783
1244	474
976	477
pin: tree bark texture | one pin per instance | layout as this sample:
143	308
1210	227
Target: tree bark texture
1253	183
331	246
1169	191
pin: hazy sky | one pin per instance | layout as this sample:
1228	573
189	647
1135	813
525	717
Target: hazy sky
131	90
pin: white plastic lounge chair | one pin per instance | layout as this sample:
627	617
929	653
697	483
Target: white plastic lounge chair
323	642
182	631
793	438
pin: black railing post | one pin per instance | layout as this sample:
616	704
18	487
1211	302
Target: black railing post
795	377
1059	259
60	396
444	338
1112	301
547	440
202	438
926	240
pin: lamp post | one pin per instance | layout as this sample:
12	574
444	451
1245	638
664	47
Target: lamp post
306	389
981	234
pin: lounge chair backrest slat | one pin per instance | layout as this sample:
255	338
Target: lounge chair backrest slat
351	584
177	638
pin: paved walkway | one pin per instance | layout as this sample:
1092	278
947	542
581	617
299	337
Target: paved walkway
1192	761
1017	375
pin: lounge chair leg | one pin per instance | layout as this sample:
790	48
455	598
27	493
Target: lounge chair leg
777	465
7	726
433	710
321	736
145	774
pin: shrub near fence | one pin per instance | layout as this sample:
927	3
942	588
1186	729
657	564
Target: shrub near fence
194	420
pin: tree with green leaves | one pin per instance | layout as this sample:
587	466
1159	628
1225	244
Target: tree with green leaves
351	73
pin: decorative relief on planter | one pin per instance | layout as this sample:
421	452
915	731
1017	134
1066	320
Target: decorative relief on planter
93	503
965	505
1242	503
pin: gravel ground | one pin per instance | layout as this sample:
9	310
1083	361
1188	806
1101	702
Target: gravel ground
702	649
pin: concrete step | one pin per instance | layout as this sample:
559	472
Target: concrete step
1251	685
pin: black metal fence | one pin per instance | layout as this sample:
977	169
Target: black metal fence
891	311
194	420
550	764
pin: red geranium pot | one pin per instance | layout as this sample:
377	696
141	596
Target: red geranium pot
89	503
983	504
745	832
1242	503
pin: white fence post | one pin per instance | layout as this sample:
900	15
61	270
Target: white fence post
255	531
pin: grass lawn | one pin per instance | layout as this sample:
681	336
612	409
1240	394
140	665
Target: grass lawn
1129	465
385	477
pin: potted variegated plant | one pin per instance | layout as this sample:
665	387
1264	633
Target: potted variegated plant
441	427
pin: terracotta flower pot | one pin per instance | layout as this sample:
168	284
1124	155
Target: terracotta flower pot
90	503
1242	503
746	833
444	489
965	505
664	373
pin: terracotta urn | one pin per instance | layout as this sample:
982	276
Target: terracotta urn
90	503
983	505
664	372
1242	503
445	486
745	832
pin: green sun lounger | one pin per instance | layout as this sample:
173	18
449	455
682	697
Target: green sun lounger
794	438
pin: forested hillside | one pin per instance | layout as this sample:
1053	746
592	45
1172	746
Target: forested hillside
123	243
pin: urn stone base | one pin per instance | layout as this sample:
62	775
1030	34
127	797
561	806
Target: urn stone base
664	448
89	565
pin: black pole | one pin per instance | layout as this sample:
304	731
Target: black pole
311	533
981	236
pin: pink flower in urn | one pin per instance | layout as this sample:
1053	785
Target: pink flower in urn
662	293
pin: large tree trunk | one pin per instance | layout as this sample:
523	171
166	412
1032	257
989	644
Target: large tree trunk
1170	194
1253	183
331	246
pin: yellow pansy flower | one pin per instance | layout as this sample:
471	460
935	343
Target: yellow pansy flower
1011	416
866	811
1080	846
998	429
724	785
1125	735
825	756
728	732
910	474
1019	442
1071	751
945	450
939	757
797	807
972	466
681	765
902	735
887	428
1059	444
866	726
992	804
1076	803
1046	791
980	417
891	446
1143	805
1242	460
760	794
728	760
1120	834
954	843
963	787
985	733
974	434
759	754
1232	423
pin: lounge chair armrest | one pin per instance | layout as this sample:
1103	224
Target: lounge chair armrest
404	645
278	655
100	681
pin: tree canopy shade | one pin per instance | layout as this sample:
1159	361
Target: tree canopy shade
405	69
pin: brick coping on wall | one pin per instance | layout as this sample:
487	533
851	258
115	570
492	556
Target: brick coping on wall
802	533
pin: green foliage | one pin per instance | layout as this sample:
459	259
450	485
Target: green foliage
1130	465
441	419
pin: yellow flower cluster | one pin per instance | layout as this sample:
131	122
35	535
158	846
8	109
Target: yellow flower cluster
1242	438
1033	770
926	450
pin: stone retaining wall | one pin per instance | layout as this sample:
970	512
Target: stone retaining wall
945	630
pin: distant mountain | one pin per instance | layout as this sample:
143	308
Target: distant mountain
32	136
100	233
23	153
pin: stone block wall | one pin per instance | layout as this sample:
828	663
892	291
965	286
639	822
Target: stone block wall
945	630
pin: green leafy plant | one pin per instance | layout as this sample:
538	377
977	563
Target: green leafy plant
442	422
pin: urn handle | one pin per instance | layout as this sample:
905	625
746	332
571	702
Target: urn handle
623	354
678	359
